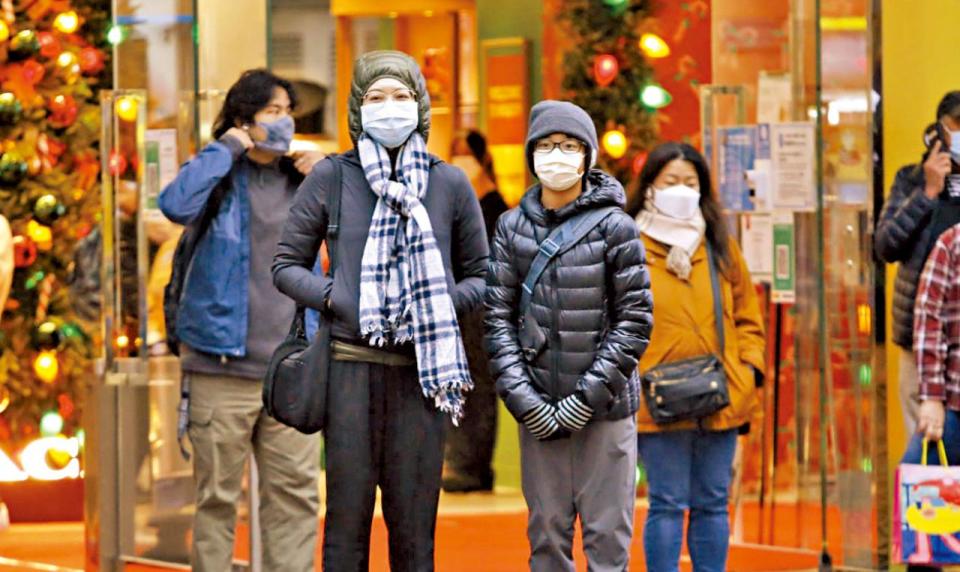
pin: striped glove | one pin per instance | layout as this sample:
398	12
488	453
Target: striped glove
541	421
573	413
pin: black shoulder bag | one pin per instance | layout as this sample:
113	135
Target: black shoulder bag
695	388
295	386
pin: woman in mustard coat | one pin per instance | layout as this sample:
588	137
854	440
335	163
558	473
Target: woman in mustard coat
689	463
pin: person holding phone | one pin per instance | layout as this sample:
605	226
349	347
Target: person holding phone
231	318
924	201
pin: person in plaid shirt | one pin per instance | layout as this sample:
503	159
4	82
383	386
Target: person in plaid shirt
936	333
936	343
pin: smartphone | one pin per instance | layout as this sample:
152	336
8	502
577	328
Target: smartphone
937	133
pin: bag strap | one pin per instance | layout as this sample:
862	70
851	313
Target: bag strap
334	192
717	296
940	449
333	206
557	242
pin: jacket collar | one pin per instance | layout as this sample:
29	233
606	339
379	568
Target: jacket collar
602	190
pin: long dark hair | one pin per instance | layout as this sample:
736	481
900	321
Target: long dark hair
251	93
717	234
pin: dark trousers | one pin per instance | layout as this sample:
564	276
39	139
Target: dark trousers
381	431
470	446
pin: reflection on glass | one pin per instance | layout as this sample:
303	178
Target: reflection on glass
816	456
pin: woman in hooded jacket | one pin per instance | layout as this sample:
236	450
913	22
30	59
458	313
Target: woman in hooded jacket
412	254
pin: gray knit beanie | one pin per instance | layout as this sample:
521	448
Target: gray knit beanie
549	117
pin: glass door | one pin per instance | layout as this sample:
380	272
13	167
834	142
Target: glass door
788	129
169	87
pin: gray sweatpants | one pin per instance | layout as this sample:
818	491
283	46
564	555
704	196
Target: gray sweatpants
592	474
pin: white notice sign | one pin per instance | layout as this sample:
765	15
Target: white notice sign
756	241
793	154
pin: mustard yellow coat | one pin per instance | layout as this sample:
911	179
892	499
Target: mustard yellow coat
683	327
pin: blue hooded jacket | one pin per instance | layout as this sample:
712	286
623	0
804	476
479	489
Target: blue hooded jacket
213	309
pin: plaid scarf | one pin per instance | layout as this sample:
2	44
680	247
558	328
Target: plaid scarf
403	284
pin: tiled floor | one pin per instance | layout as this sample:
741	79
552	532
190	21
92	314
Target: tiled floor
475	533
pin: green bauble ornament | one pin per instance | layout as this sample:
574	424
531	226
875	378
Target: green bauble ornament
12	168
47	209
10	109
46	336
24	45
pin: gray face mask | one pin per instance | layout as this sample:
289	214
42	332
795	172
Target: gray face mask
279	135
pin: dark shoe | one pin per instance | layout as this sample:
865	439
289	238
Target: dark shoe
459	483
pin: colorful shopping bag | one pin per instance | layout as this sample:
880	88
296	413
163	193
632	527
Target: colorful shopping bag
926	512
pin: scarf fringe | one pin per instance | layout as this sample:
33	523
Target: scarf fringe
401	262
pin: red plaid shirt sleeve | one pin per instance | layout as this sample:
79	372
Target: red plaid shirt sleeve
935	313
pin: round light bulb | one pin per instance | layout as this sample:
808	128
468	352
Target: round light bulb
67	22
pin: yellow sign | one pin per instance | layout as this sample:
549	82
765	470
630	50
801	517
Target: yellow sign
34	464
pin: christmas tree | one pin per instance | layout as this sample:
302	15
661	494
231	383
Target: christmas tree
52	62
606	73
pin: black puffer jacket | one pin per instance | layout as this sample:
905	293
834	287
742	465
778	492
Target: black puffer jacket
593	303
905	234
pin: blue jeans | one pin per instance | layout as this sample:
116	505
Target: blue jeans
687	470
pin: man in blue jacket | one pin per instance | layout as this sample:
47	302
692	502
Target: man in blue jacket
231	318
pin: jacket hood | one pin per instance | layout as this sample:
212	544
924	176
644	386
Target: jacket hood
380	64
602	191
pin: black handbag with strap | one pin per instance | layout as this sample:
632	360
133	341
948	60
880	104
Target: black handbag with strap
295	385
695	388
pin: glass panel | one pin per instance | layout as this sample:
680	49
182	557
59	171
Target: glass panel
812	464
852	397
155	486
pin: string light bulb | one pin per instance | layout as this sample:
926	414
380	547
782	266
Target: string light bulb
51	424
46	366
615	143
67	22
653	46
127	108
655	97
605	69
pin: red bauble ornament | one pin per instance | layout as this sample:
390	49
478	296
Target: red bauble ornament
605	69
91	60
24	251
50	46
118	163
63	111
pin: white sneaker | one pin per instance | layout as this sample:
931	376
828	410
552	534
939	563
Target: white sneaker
4	517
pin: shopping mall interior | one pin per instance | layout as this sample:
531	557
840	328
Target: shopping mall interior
103	100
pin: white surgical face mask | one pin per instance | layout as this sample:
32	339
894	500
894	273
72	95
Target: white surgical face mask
557	170
679	201
955	146
390	123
